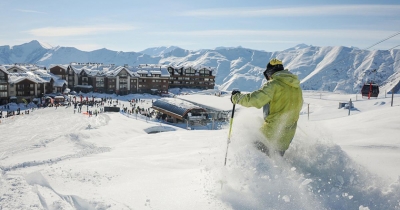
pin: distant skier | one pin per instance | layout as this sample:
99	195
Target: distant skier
282	99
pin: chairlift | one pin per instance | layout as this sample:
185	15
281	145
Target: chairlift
370	90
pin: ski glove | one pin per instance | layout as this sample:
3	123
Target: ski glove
233	93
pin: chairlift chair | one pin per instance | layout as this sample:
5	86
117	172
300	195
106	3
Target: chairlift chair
370	90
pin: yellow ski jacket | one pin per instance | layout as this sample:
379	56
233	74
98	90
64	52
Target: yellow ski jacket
284	96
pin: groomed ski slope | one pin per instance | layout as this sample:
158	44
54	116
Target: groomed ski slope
53	159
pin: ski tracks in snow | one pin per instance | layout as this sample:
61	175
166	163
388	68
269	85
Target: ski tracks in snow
33	191
64	130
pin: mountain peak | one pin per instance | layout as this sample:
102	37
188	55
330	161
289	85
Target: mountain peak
158	51
299	46
34	44
45	45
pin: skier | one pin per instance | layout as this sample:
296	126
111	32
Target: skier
281	98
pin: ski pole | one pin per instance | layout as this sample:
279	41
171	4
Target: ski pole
229	134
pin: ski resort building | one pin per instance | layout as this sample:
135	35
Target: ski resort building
21	83
29	81
191	77
120	80
175	110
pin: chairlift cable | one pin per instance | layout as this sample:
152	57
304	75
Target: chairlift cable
387	38
394	47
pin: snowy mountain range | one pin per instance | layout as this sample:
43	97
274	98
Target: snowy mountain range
332	68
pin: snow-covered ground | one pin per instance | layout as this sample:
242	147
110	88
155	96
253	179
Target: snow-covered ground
55	159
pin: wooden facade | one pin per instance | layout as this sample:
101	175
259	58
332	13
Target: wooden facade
189	77
119	80
26	89
60	71
4	95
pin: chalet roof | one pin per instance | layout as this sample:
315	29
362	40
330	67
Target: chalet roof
59	83
47	76
115	71
63	66
11	67
142	72
150	70
155	72
78	68
91	72
195	67
18	77
2	68
175	105
99	69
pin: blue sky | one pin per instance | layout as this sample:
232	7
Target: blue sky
129	25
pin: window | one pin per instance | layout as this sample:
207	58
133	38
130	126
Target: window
190	71
3	94
20	93
3	87
32	93
31	85
3	77
204	72
99	84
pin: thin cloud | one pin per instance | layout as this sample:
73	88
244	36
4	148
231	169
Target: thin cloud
355	34
268	41
30	11
77	31
326	10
